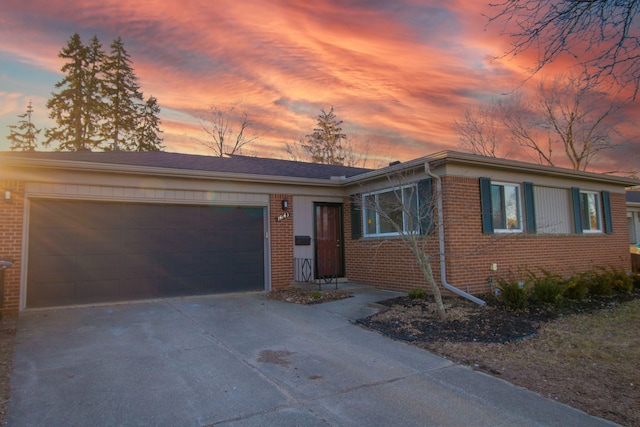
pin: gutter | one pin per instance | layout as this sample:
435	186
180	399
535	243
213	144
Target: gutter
443	266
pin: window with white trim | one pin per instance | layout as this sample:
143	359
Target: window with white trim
390	212
506	211
590	212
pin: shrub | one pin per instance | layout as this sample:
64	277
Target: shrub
600	283
575	288
622	282
607	281
513	294
546	289
635	277
417	294
315	294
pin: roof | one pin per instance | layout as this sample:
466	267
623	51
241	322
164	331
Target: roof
160	159
276	170
432	161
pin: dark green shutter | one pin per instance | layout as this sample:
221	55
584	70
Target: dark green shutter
606	206
356	219
425	201
485	205
529	207
577	216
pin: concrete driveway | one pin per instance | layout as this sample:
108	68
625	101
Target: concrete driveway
243	360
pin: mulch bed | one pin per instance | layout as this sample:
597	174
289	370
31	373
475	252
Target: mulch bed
417	320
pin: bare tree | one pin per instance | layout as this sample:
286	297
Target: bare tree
601	34
566	122
406	210
482	131
227	131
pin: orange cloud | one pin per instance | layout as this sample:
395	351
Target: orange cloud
397	73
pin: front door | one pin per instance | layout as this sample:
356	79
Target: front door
329	253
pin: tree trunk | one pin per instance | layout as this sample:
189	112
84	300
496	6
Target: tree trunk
425	266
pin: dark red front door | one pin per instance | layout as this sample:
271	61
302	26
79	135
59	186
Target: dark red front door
329	256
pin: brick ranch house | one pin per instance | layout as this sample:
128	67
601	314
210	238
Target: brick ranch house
89	228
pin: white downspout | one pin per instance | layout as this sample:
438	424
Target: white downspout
443	269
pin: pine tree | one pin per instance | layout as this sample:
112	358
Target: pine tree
123	97
324	145
78	107
24	135
148	130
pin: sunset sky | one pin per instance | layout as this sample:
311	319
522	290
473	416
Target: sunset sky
396	72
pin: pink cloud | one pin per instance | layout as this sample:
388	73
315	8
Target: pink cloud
397	73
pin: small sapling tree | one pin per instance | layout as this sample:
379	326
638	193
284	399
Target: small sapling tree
406	210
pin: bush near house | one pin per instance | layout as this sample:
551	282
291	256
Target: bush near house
546	288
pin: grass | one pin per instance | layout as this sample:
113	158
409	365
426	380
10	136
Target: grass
589	361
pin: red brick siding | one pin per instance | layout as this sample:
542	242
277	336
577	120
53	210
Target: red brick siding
470	252
387	264
11	232
281	242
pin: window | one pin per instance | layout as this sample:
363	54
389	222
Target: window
505	207
590	212
391	212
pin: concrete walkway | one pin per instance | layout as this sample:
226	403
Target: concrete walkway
244	360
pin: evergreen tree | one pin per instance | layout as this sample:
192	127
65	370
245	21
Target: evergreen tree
24	135
324	145
148	129
77	108
99	104
123	99
96	108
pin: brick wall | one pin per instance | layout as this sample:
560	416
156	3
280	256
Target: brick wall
387	264
470	253
281	242
11	224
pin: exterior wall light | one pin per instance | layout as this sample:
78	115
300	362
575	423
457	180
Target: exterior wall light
285	204
7	195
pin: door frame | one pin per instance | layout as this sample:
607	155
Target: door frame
340	217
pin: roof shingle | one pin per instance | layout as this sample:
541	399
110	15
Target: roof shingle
232	164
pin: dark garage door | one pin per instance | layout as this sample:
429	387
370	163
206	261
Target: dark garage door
84	252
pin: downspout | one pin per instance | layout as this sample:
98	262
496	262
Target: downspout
443	267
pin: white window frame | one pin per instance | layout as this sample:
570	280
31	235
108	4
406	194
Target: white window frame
503	209
405	222
586	225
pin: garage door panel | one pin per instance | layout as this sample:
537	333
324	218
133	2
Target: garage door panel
144	241
182	217
141	265
55	241
97	241
52	268
52	293
179	286
94	291
97	215
183	240
141	288
181	263
88	252
218	239
98	267
142	217
249	262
